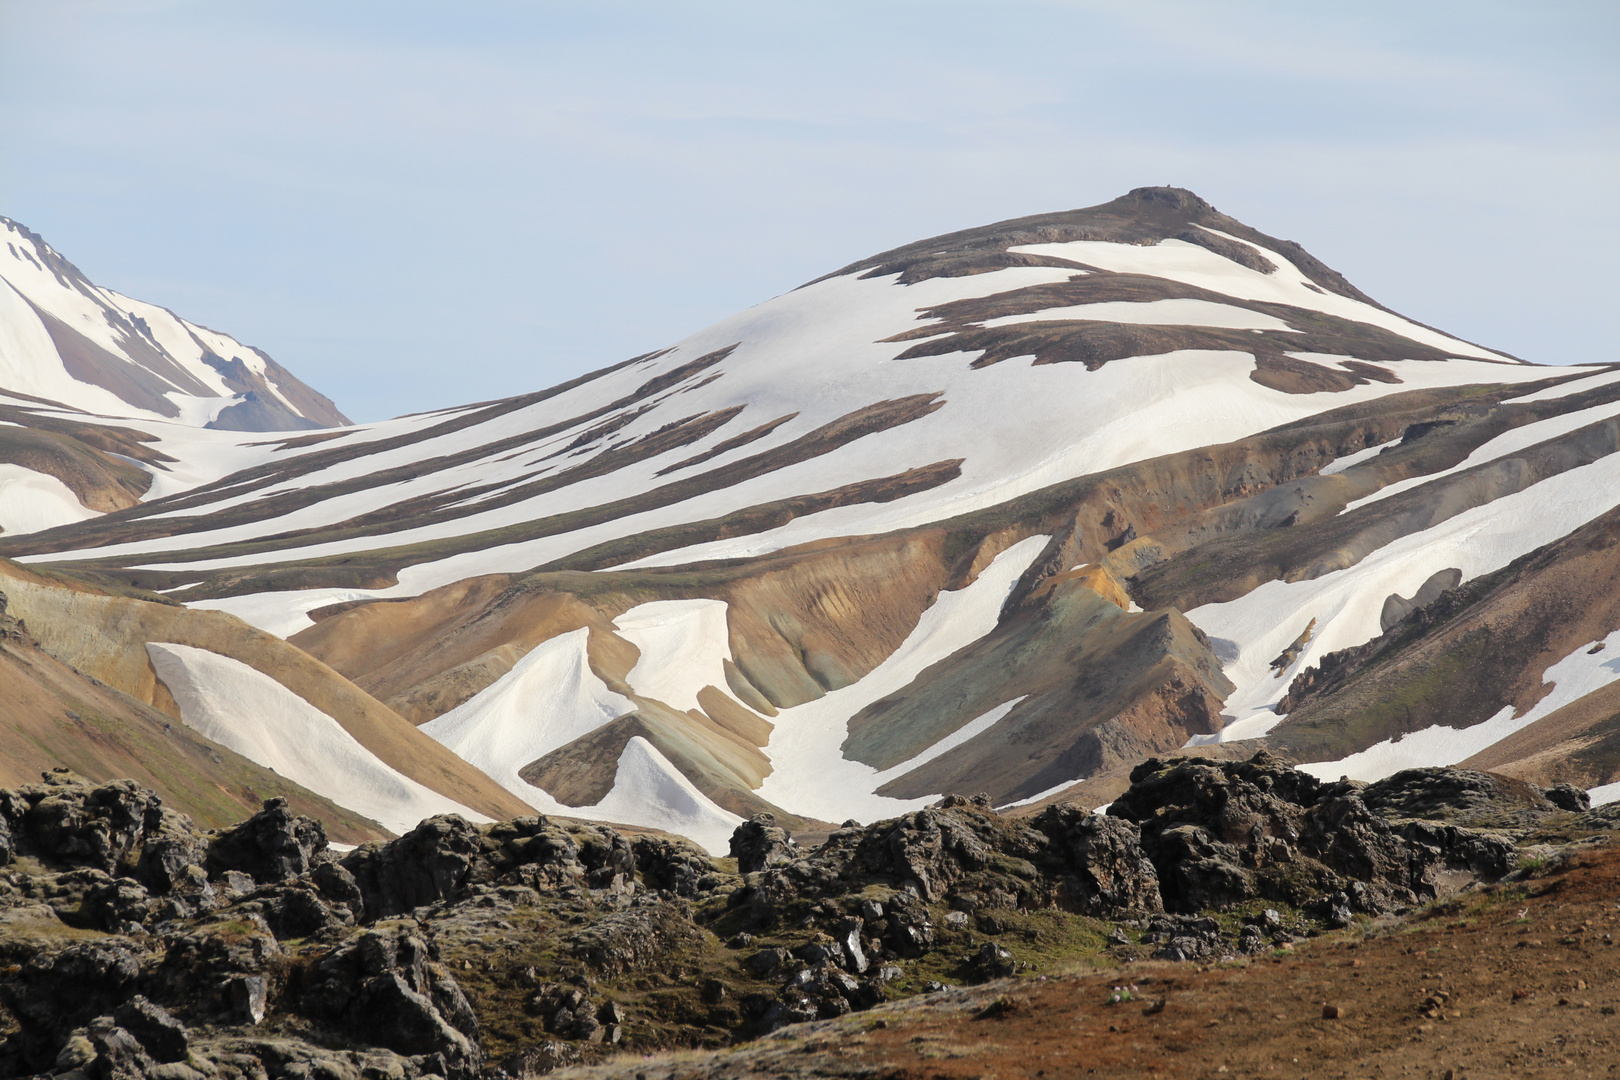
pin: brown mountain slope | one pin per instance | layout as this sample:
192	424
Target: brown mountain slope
57	717
1472	652
105	637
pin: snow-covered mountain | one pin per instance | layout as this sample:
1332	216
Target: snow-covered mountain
73	353
66	341
1005	511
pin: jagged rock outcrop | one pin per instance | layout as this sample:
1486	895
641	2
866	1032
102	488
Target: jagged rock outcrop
1221	833
134	945
759	843
272	845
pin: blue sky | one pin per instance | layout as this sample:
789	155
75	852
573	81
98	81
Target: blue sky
412	204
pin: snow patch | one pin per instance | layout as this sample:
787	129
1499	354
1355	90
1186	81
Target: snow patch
684	645
1339	464
648	790
550	698
811	775
1572	678
31	501
1604	794
249	712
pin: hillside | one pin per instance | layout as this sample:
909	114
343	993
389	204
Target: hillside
1004	511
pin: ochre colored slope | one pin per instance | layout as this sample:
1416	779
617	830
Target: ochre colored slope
56	717
105	637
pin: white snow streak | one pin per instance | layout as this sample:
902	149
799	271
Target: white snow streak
684	645
812	776
251	713
1576	675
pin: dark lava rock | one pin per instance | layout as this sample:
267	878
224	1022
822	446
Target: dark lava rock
1569	797
671	864
223	967
59	990
273	845
1223	832
427	864
993	962
385	988
255	952
162	1036
1462	797
759	843
1110	871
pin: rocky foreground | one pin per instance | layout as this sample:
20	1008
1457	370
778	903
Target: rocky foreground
133	944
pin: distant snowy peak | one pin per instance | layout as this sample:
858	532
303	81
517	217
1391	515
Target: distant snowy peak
67	341
1154	246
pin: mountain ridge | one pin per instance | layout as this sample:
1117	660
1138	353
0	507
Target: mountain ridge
1009	509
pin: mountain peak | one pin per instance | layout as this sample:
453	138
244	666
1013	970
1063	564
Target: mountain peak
1179	199
76	344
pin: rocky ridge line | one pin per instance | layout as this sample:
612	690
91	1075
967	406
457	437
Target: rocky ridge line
133	944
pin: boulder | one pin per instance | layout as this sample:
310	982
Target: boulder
273	845
384	987
759	843
426	865
162	1036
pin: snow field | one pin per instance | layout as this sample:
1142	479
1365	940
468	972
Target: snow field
811	775
249	712
552	697
31	501
1504	445
1572	678
1346	604
684	645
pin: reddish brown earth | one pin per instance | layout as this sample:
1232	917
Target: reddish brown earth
1521	980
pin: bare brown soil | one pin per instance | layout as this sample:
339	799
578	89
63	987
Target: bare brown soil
1522	981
